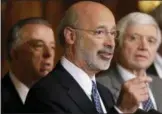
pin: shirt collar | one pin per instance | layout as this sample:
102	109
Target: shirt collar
158	60
79	75
125	74
158	64
21	88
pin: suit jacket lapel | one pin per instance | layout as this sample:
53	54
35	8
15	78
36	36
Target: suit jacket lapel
81	99
151	70
156	83
116	79
12	89
75	92
11	95
108	102
116	82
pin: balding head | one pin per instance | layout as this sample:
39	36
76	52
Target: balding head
89	8
88	33
82	13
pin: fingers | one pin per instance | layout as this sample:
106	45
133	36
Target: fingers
142	86
146	79
140	73
137	88
140	79
142	76
142	98
141	93
135	91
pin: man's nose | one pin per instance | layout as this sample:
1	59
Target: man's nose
143	43
109	42
48	52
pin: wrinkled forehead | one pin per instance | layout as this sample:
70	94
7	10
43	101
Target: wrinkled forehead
35	27
143	29
37	31
31	33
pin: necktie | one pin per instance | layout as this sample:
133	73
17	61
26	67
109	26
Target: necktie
147	105
95	98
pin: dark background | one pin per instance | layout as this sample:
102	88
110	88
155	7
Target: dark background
51	10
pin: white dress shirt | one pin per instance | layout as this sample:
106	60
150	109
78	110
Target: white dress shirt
81	78
20	87
126	75
158	65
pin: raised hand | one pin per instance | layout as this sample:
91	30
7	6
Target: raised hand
133	92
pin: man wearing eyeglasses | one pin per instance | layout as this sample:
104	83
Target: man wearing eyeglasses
138	43
87	33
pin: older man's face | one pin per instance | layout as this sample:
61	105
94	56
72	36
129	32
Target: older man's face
139	46
35	53
94	45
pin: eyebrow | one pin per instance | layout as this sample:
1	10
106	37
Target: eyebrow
104	27
143	35
37	40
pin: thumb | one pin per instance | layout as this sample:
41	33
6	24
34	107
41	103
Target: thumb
140	73
142	76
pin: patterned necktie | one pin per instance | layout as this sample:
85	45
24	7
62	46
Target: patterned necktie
95	98
147	105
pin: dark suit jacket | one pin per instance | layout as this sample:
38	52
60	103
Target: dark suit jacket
152	70
112	79
60	93
11	102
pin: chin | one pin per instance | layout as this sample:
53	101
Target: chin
105	67
141	66
43	74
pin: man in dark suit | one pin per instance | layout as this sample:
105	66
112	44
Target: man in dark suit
138	43
156	67
30	50
87	33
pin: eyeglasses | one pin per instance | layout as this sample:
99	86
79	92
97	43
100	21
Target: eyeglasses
101	32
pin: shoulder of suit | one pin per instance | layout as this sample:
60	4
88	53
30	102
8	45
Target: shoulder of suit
107	73
103	87
156	80
5	80
153	76
47	81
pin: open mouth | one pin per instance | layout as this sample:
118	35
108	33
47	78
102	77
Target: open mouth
106	55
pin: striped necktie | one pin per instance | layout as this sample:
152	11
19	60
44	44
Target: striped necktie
147	105
96	98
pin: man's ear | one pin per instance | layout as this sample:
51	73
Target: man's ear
69	35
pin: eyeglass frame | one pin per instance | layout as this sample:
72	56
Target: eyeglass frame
106	32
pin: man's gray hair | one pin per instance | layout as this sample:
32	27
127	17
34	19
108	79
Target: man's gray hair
69	20
136	18
14	35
